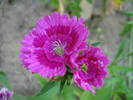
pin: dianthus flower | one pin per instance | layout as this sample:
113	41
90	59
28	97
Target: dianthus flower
90	68
47	47
5	94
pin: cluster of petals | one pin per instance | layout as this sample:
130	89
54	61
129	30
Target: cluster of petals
90	68
48	46
5	94
56	42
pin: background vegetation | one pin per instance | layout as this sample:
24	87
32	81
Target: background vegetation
119	83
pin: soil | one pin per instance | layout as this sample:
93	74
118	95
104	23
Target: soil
17	18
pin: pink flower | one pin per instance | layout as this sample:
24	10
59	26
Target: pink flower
91	68
5	94
48	46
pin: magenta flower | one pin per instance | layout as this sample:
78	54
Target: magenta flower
91	68
47	47
5	94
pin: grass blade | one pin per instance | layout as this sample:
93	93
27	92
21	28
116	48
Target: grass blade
96	43
46	87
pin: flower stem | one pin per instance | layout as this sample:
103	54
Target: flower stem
130	57
61	6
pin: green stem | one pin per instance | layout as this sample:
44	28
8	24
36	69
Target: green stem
61	6
104	6
130	57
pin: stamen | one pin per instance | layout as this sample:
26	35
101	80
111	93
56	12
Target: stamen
58	47
59	51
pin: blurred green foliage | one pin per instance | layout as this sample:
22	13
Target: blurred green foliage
116	84
73	7
90	1
4	80
96	43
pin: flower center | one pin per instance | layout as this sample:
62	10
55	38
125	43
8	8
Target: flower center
59	47
59	51
84	67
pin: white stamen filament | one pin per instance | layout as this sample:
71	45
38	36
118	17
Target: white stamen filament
58	47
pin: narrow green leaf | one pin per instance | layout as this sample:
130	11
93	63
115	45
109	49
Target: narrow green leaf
130	22
2	73
116	97
127	29
130	54
105	6
41	80
114	69
96	43
86	96
124	68
121	86
62	84
73	7
104	93
19	97
52	3
120	49
69	79
129	13
46	87
51	94
90	1
130	96
3	78
68	93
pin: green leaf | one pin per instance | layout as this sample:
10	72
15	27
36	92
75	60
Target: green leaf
68	93
69	79
130	22
115	68
105	6
78	91
104	93
129	13
90	1
130	96
86	96
53	3
51	94
3	78
130	54
73	7
116	97
120	49
127	28
62	84
121	86
47	87
41	80
125	68
19	97
96	43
